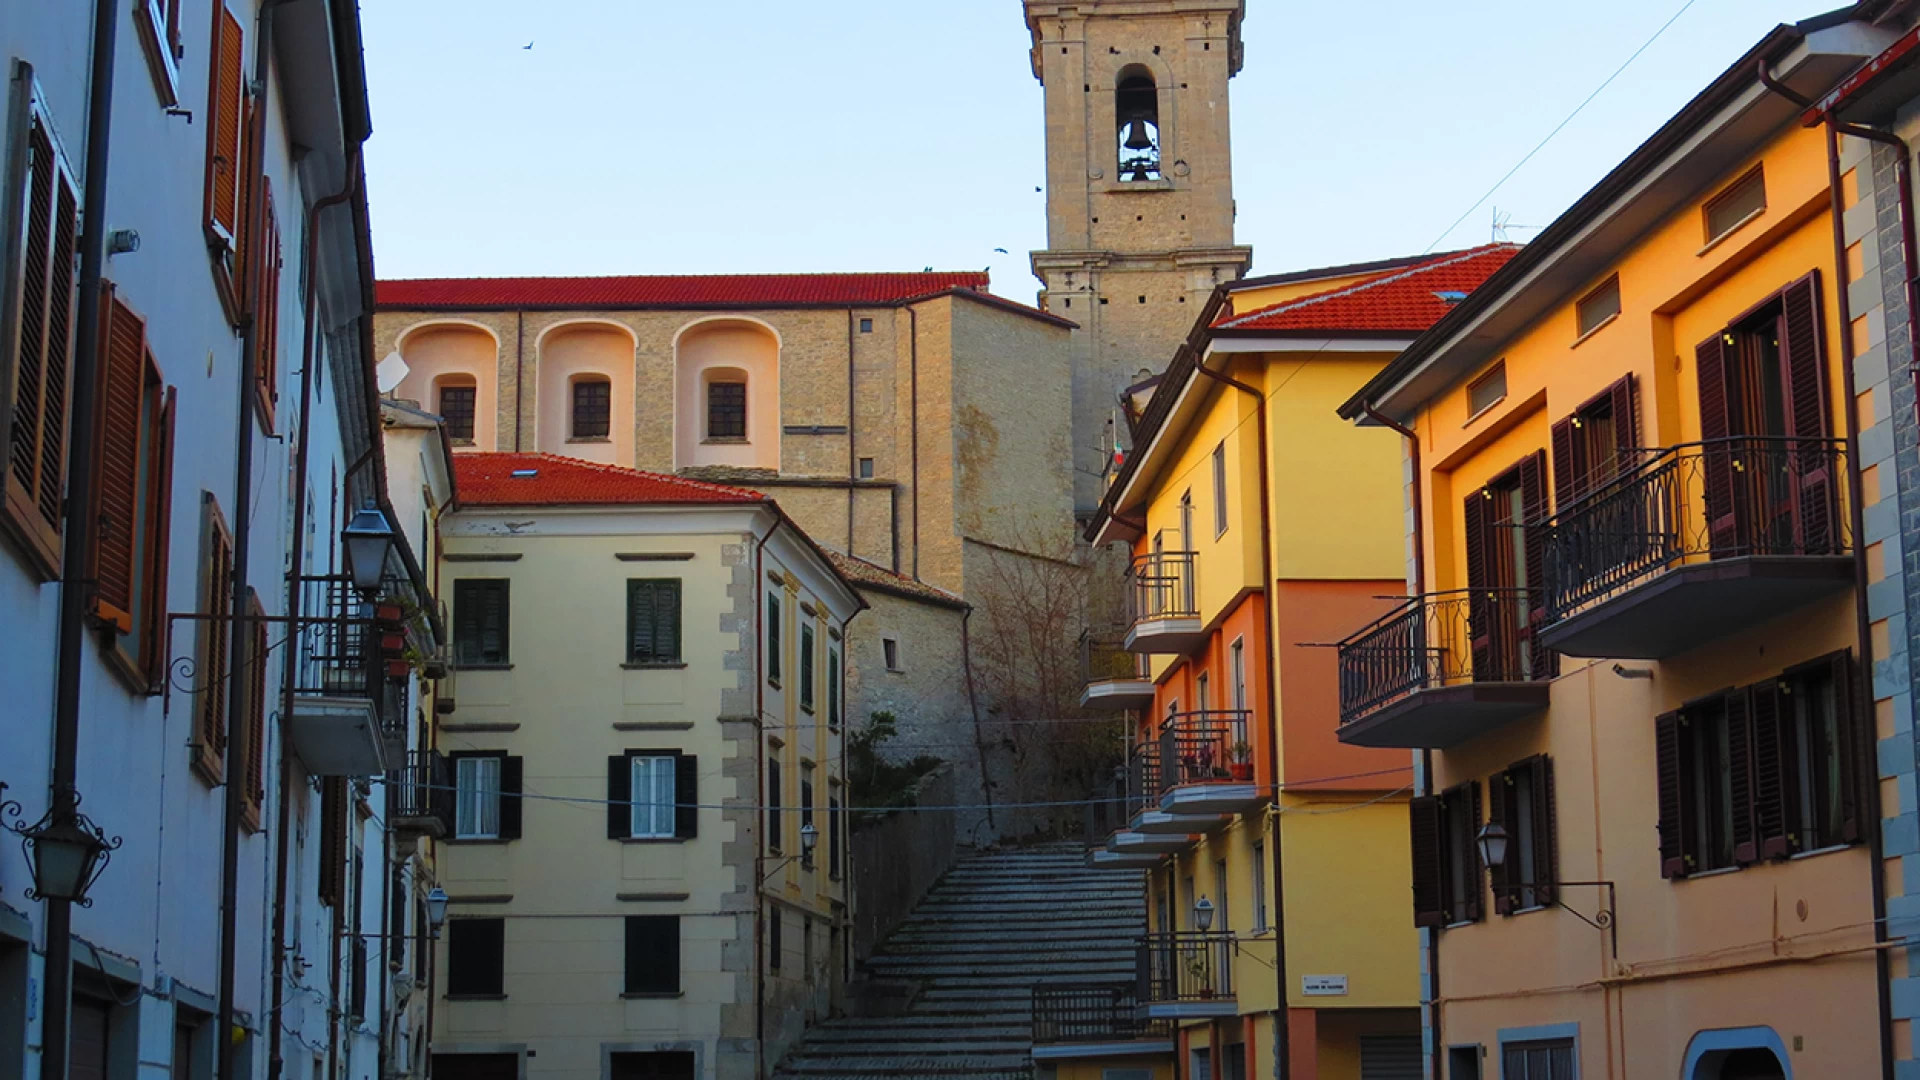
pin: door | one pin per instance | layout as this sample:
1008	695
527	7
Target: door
476	1067
652	1065
1390	1057
87	1056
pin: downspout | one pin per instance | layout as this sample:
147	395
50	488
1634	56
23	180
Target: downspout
282	839
519	373
63	799
913	321
1866	763
853	460
973	704
759	791
1282	1020
239	640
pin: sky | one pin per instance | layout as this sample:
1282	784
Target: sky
761	136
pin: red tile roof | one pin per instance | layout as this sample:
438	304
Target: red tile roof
552	480
1405	301
669	291
864	574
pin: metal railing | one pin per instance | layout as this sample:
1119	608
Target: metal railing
1440	639
422	790
330	653
1161	586
1104	658
1185	966
1143	777
1092	1013
1106	809
1206	747
1725	498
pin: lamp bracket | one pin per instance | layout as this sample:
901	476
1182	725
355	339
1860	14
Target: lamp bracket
1603	919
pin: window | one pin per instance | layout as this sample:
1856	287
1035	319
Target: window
776	921
1136	107
806	809
1488	390
266	336
1186	521
1220	489
1547	1059
1394	1057
1237	668
1202	696
866	468
653	795
1201	1058
774	839
1740	203
1233	1062
332	886
476	957
486	802
159	24
1259	888
253	745
1760	772
806	667
228	159
592	408
726	410
1446	861
456	409
890	649
1463	1063
653	621
37	305
1506	568
833	688
834	847
480	622
773	639
209	746
1222	921
866	326
653	954
1596	443
1520	799
1597	308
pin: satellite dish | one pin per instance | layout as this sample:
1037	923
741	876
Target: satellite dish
391	372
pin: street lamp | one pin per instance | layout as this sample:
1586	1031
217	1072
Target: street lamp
66	850
368	539
809	839
436	909
1203	914
1492	842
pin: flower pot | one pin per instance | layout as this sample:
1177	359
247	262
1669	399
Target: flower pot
1242	771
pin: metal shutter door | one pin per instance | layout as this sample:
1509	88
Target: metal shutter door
87	1056
1390	1057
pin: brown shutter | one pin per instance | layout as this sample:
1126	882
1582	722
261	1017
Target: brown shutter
1545	663
267	310
225	121
333	840
1772	779
619	796
36	436
1740	786
513	782
1566	473
1471	858
1711	358
211	674
1851	734
1808	417
1546	831
1500	808
117	466
1669	764
255	794
1429	877
1626	423
153	635
1480	613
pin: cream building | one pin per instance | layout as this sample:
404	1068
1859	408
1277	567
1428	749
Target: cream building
648	865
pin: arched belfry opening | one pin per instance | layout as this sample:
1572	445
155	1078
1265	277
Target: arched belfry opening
1136	110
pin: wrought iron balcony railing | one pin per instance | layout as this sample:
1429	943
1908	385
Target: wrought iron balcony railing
1185	966
1721	499
330	648
1438	640
1092	1014
1206	747
1104	658
1143	778
420	794
1161	586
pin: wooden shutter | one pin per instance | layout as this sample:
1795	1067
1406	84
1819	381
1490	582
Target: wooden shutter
1626	422
1546	830
117	461
255	795
494	612
1740	786
512	784
226	109
42	191
1805	376
333	840
1471	857
266	333
774	791
1500	809
619	797
1711	360
1533	506
476	957
773	637
686	796
1568	474
653	954
1772	779
1480	612
153	641
212	663
641	603
1670	765
1852	733
1429	873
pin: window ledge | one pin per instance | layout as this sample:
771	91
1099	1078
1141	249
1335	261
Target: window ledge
1489	407
590	439
653	995
1718	871
655	839
726	440
1737	226
482	667
476	997
655	665
1599	326
773	681
1816	852
477	840
461	442
808	709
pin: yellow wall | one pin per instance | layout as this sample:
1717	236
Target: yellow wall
1245	299
1337	507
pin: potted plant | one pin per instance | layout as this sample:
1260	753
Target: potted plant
1202	978
1242	764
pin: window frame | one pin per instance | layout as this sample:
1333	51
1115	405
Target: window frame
773	617
776	824
714	409
1220	490
158	22
834	699
1735	188
479	662
575	386
661	587
1495	370
478	793
807	677
1520	798
890	654
212	647
654	759
1583	327
471	387
634	949
459	928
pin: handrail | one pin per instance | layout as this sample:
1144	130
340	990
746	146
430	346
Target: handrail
1205	746
1185	965
1450	638
1094	1012
1161	585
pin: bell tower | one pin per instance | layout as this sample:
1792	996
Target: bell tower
1139	191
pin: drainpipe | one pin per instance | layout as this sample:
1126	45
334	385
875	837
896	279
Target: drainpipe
239	641
519	375
759	790
282	839
913	320
1282	1026
853	460
64	800
1866	763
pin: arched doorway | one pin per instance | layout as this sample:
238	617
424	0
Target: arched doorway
1755	1053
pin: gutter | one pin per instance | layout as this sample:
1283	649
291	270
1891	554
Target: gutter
759	792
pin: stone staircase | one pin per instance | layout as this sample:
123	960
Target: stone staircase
993	927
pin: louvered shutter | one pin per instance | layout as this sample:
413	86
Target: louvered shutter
267	308
1851	732
641	603
1740	787
1499	809
153	644
512	784
1545	663
41	302
1476	905
493	616
1429	871
1546	830
117	461
1670	765
226	108
1772	779
619	797
333	839
1626	423
256	683
1480	611
1567	473
1810	462
686	797
1711	359
652	954
667	632
211	668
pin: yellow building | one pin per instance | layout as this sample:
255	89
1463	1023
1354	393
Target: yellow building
1647	840
647	869
1260	524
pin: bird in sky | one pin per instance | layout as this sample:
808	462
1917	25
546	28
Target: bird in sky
1002	251
527	46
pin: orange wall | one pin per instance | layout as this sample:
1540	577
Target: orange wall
1306	614
1244	620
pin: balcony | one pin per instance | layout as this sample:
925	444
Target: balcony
338	694
420	796
1116	679
1186	975
1094	1021
1441	669
1162	604
1696	542
1207	763
1144	816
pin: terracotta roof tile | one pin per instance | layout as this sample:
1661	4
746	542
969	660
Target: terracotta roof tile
551	480
1404	301
872	575
669	291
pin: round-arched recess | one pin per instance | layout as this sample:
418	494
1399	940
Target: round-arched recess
1755	1053
727	395
452	370
584	404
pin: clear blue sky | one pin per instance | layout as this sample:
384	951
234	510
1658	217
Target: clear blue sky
642	136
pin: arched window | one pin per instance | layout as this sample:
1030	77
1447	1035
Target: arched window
454	399
1136	110
592	407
